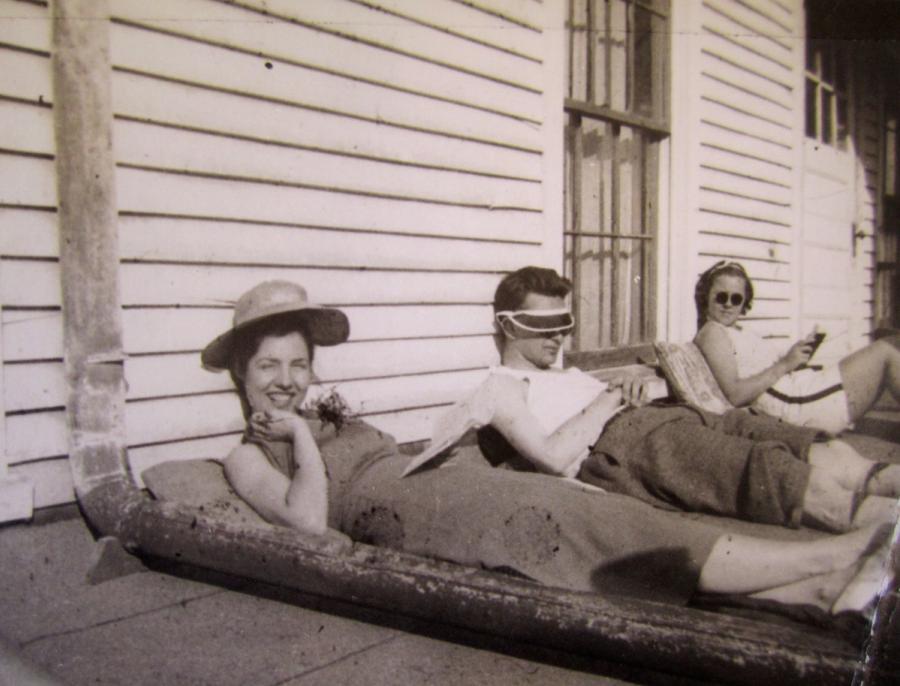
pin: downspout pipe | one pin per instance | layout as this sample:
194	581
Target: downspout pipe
720	648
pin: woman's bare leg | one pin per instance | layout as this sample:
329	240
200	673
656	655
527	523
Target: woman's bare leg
867	372
852	471
748	564
828	505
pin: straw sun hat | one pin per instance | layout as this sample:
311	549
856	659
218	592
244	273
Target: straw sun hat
324	325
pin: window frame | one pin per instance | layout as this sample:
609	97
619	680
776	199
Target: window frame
651	129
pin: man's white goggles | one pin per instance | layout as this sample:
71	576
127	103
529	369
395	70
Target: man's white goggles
540	321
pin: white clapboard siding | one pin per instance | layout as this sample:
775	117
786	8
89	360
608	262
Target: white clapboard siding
741	185
52	481
28	232
153	192
755	34
30	283
724	224
716	108
752	209
27	127
143	145
310	46
25	25
33	234
27	179
370	25
723	45
217	286
176	58
210	241
746	148
744	163
761	21
36	335
37	385
499	28
736	95
744	78
27	203
723	134
147	98
26	75
530	14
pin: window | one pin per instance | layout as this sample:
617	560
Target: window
617	116
827	70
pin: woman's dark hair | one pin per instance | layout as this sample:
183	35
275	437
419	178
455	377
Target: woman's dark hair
247	342
705	284
515	287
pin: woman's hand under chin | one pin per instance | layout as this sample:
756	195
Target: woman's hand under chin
277	425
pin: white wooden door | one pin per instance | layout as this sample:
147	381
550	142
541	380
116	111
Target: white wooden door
826	259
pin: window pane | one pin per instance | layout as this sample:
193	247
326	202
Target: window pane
890	157
827	57
841	66
579	72
827	103
643	62
811	109
841	123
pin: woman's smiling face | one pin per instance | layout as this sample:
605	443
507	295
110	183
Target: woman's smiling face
726	313
279	373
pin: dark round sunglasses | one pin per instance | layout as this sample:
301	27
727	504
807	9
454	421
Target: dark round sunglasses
721	298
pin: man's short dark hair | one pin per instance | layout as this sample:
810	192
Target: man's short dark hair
515	287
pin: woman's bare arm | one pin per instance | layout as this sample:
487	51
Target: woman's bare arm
556	453
719	352
301	502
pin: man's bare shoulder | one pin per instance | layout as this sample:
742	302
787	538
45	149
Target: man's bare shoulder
500	384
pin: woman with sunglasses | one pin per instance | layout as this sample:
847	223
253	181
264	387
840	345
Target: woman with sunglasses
752	371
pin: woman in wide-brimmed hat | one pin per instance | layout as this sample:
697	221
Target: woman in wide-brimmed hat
269	352
295	473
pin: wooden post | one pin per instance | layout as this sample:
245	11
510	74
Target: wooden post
88	240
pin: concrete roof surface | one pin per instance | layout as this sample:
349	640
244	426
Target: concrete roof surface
185	626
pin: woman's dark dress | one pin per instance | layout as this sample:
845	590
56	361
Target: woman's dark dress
541	527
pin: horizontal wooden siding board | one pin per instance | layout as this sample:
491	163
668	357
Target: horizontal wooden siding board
274	40
328	286
25	25
173	57
492	28
146	98
26	128
174	239
404	36
154	192
185	151
25	76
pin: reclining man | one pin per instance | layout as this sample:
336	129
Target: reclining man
564	422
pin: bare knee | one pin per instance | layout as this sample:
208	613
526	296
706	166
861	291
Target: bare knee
867	372
892	341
